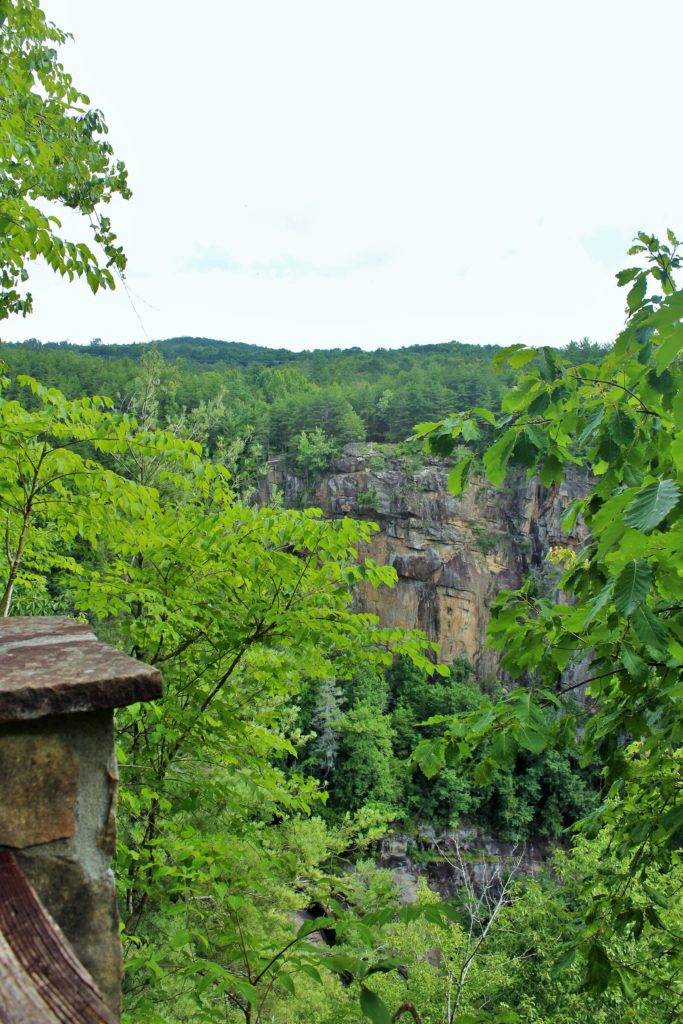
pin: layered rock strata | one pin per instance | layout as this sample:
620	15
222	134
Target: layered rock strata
452	555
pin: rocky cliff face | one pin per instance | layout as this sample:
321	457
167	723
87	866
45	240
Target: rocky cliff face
452	555
444	857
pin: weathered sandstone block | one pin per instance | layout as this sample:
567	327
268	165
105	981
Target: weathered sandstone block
58	688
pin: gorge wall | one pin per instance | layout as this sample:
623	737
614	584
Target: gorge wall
452	555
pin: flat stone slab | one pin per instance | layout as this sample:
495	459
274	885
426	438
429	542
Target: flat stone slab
52	665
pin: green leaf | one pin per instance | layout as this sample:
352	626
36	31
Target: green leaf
484	414
286	982
632	662
592	425
668	350
457	478
470	430
538	437
429	754
522	357
651	505
637	293
649	629
531	739
246	990
503	748
551	471
658	897
374	1007
571	514
624	276
312	972
341	963
497	457
632	586
504	355
599	968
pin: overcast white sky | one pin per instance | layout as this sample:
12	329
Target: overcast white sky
319	173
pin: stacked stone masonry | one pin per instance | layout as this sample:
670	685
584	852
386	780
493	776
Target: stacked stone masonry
58	688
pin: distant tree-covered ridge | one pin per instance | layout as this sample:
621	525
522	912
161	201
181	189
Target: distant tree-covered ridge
270	395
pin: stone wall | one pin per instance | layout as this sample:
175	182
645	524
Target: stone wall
58	688
57	814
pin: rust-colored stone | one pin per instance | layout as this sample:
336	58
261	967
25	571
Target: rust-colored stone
39	782
53	666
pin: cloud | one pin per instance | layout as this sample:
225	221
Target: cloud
608	246
212	258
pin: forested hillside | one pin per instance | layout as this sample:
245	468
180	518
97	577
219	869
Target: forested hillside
272	395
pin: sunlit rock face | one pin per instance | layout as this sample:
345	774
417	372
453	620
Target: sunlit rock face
452	555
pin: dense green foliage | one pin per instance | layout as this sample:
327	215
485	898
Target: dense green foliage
365	729
247	612
271	396
622	418
53	150
238	605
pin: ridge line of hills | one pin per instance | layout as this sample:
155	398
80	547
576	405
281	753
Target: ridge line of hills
272	395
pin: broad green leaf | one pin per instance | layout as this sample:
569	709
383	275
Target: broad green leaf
649	628
632	586
651	505
484	414
624	276
531	739
632	662
522	357
497	457
312	972
457	478
429	755
571	514
551	471
341	963
637	293
470	430
599	968
669	349
504	355
373	1007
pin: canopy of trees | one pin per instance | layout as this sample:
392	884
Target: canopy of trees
272	395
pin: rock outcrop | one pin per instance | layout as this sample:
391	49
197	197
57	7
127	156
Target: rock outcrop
452	555
444	857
